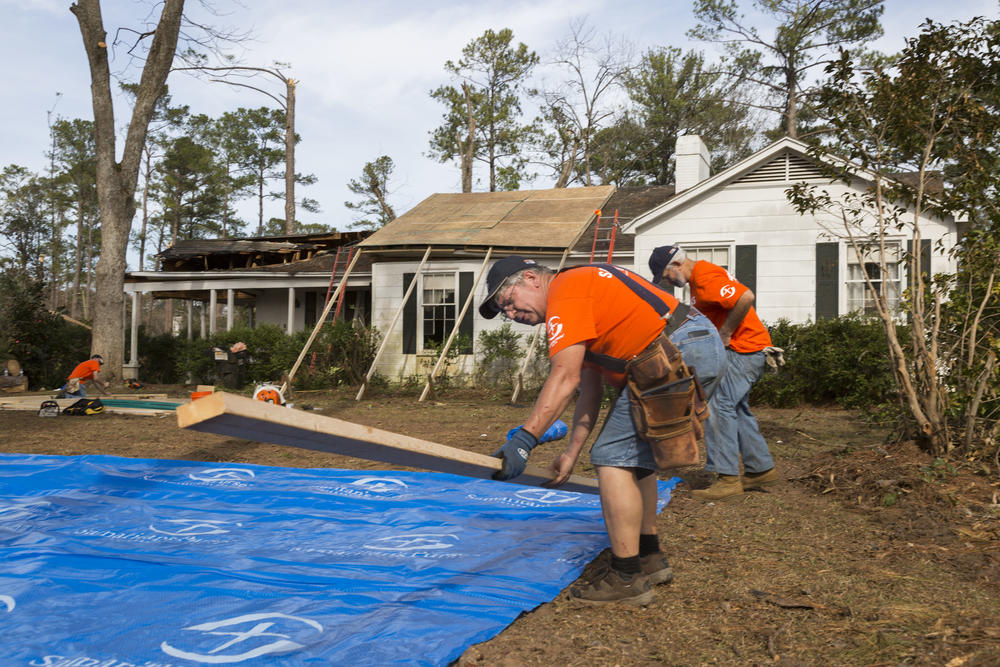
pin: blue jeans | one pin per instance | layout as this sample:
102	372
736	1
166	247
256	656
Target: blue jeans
731	432
618	444
81	393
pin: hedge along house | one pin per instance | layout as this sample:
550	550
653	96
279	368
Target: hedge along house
282	280
742	220
446	244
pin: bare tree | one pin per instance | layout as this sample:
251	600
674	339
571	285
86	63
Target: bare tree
117	180
231	75
579	106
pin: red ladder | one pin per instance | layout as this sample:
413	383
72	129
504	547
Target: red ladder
604	236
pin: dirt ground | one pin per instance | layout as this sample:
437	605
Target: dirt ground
868	553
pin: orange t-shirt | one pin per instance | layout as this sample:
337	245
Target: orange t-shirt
590	305
714	292
85	370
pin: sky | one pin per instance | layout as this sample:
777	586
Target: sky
364	70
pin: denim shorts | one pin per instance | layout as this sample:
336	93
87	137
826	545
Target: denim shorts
618	445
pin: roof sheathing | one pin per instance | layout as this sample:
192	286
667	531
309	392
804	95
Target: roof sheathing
535	219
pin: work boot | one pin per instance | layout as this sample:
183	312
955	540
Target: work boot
656	568
610	585
726	487
756	480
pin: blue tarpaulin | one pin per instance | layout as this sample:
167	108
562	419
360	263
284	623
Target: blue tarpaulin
111	562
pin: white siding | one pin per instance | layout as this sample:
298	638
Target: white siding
761	215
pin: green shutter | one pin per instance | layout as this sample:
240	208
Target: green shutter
409	317
827	280
746	269
465	279
925	256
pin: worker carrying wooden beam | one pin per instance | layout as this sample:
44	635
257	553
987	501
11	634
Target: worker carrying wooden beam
606	323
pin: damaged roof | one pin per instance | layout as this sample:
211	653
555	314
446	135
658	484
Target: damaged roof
543	219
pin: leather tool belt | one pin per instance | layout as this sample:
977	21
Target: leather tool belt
668	405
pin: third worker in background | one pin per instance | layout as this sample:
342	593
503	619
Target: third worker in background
731	432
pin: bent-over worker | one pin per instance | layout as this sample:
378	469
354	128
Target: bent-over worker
731	432
596	315
85	371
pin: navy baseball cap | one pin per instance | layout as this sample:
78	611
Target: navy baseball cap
659	260
499	272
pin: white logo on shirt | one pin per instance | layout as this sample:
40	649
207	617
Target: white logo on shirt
727	291
604	273
555	330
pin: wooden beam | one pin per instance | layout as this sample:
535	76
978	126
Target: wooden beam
392	325
519	381
454	330
286	386
239	417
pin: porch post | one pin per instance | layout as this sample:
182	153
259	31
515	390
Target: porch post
230	307
291	310
213	305
201	320
190	307
134	352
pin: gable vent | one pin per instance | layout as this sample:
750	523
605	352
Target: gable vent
785	168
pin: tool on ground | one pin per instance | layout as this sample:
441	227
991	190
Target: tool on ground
269	393
48	409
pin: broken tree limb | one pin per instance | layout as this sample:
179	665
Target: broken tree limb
240	417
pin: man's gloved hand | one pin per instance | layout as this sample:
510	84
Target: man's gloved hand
515	454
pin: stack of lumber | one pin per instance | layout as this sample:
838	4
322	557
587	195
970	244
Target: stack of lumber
131	404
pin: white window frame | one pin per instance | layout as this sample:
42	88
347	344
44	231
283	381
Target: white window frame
697	252
422	305
863	304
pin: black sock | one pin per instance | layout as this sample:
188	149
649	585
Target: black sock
628	565
648	544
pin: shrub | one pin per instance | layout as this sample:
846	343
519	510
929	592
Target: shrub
47	346
843	361
500	357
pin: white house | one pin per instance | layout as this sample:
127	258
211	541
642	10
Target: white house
741	219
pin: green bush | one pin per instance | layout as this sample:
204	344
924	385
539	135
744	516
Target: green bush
500	354
842	361
45	345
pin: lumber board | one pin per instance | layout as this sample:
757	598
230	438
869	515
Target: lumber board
239	417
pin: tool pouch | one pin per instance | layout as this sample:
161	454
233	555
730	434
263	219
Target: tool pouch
668	405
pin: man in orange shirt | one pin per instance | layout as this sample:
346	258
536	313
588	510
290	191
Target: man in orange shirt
596	315
85	371
731	432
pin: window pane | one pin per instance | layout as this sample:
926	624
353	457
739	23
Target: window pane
885	278
437	308
718	255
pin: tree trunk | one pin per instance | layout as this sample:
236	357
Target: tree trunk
88	292
290	157
791	105
116	182
469	145
74	298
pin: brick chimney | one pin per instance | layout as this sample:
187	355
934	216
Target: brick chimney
692	160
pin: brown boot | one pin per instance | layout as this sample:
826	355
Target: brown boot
756	480
610	585
726	487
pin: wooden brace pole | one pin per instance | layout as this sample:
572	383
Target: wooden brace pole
392	325
458	322
519	382
319	324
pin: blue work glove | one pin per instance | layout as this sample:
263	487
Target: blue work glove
515	454
556	431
